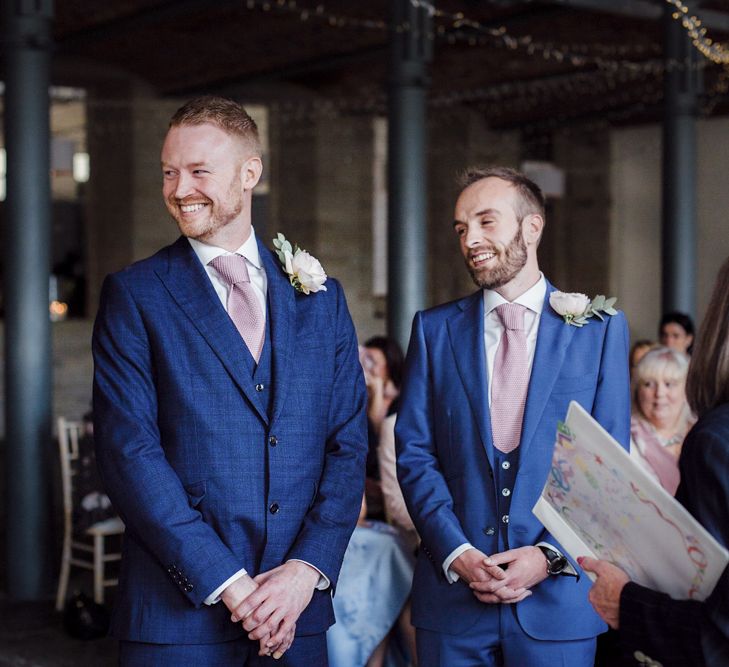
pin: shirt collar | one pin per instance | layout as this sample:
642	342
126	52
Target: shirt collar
533	298
206	253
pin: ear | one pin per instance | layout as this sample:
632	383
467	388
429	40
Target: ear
250	172
532	228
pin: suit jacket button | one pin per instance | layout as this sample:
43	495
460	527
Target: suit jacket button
505	518
259	387
273	508
505	492
489	530
273	441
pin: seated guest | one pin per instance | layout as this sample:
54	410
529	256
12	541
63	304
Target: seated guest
686	632
638	351
661	415
382	360
396	512
374	584
397	516
676	331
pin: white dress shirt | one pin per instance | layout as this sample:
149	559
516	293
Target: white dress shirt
493	329
249	250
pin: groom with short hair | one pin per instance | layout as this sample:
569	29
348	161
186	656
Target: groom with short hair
487	379
230	422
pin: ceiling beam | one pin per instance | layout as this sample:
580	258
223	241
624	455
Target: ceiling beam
645	9
329	62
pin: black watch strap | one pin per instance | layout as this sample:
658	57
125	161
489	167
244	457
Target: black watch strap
556	562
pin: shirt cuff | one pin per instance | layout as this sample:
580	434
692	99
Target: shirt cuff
451	576
323	582
214	597
569	569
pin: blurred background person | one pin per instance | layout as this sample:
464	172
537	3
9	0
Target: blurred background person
661	414
686	632
382	361
637	352
677	332
373	590
371	605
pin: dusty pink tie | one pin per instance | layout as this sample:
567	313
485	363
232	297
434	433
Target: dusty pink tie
243	305
510	379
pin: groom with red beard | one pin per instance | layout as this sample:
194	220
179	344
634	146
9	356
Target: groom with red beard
230	425
487	379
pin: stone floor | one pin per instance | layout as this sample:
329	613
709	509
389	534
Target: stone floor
32	635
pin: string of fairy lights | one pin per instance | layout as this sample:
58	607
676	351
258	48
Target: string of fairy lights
458	21
611	80
711	50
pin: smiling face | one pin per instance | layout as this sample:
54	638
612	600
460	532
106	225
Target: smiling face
661	399
498	248
208	177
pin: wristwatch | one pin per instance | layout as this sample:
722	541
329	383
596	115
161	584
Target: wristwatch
556	562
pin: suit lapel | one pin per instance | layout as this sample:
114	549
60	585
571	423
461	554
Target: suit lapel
553	339
465	331
190	287
282	311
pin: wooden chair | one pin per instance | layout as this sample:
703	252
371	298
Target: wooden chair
87	549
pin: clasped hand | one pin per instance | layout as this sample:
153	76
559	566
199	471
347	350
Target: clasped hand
493	584
269	605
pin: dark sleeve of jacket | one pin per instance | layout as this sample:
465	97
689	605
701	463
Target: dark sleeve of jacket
688	632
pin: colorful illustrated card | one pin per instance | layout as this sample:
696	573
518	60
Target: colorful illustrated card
599	502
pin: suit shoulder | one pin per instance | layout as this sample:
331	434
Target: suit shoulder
445	310
143	267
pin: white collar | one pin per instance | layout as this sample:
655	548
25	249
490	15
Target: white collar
533	298
206	253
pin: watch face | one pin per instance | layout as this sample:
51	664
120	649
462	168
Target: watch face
557	564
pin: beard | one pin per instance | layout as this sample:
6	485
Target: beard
220	214
510	262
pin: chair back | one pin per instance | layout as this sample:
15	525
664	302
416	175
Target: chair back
69	433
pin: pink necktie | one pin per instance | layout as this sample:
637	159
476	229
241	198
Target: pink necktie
510	379
243	306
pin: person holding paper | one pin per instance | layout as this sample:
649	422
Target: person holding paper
686	632
487	379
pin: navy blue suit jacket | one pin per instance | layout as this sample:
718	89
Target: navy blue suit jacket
445	454
688	632
191	457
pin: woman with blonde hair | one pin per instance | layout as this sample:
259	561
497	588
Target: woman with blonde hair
661	414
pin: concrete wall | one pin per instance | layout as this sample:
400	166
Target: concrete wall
72	370
635	158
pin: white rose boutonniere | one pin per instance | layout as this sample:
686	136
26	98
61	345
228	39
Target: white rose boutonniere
576	308
305	273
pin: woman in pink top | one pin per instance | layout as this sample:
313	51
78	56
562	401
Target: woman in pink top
661	415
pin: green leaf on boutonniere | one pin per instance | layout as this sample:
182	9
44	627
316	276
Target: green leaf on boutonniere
598	303
601	306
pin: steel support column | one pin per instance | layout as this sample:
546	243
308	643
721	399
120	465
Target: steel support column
411	50
27	327
681	89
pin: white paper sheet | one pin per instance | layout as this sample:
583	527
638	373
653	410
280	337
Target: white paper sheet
599	502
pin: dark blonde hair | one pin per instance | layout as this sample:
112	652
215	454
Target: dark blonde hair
530	198
707	385
226	114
